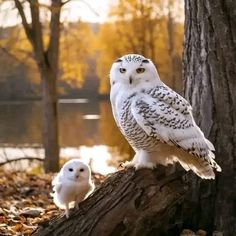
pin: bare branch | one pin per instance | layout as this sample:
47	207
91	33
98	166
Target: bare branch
12	55
90	8
85	3
25	52
21	159
26	26
63	3
53	46
37	32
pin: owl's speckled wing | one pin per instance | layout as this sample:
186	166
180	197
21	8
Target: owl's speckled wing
167	116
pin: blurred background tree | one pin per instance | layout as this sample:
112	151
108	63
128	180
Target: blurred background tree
85	52
75	51
46	55
149	27
153	28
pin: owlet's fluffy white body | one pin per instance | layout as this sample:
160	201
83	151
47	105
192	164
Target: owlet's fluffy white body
155	120
72	184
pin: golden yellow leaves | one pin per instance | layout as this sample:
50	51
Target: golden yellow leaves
152	28
75	50
141	27
24	202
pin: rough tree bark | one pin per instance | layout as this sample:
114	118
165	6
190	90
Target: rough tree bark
143	202
175	71
210	84
47	62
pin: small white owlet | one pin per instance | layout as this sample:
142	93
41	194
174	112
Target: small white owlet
156	121
72	184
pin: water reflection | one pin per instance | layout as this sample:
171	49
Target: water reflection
20	123
102	159
77	100
91	117
85	125
74	129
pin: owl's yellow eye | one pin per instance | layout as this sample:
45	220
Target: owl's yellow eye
140	70
122	70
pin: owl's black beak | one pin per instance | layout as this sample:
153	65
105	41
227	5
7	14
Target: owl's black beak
130	80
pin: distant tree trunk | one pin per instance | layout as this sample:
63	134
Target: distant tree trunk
47	61
175	72
209	63
143	202
170	33
50	121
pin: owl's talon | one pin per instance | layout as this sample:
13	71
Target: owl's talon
128	164
67	214
125	165
121	166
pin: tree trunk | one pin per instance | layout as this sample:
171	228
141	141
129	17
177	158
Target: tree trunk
175	72
49	75
47	61
142	202
209	68
50	121
170	41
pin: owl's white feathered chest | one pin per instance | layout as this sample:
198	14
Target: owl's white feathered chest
122	100
71	190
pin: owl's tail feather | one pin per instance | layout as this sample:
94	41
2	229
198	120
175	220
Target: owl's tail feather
203	167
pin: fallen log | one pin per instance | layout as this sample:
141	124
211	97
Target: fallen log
129	202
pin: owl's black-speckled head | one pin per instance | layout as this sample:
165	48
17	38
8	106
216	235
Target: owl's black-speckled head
133	58
133	69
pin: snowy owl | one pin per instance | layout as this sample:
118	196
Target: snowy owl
155	120
72	184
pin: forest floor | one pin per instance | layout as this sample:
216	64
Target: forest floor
25	201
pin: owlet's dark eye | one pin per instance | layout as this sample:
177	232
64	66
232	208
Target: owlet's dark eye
70	169
140	70
122	70
81	170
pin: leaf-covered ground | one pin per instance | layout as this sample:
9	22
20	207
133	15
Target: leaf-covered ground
25	201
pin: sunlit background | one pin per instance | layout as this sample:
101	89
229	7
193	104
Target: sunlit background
93	34
87	10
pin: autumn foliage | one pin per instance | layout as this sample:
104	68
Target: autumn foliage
152	28
25	201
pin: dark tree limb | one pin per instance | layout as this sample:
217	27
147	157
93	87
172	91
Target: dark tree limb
129	202
28	29
21	159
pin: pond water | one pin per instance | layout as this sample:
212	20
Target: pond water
86	130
